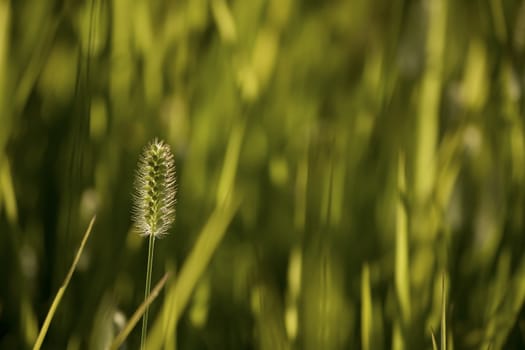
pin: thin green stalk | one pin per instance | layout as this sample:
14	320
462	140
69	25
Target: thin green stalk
443	314
62	289
151	247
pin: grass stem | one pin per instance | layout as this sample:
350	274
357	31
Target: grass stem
151	247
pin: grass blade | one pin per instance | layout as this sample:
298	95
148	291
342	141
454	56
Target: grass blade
402	273
366	309
191	271
62	289
443	314
434	342
138	313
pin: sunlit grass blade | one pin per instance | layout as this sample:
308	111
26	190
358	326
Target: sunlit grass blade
170	340
427	125
139	312
398	342
231	159
5	67
366	309
7	191
62	289
434	342
443	314
402	275
194	265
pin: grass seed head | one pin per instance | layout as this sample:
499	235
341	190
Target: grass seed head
155	190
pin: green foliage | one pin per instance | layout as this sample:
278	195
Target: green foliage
335	160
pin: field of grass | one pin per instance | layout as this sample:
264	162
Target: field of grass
350	173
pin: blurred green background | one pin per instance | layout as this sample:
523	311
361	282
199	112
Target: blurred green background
375	148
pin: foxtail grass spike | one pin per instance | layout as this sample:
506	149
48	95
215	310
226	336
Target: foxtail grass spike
153	205
155	190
